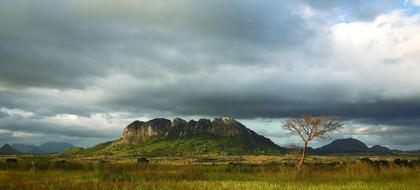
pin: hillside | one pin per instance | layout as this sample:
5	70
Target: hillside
164	137
7	149
350	146
50	147
379	148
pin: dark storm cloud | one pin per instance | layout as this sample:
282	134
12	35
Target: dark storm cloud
62	45
45	45
212	97
70	45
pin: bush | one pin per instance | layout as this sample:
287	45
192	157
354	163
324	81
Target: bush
403	162
377	164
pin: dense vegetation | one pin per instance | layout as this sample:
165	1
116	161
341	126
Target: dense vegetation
209	173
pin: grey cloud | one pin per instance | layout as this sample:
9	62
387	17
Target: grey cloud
5	138
66	46
394	121
406	141
387	130
44	105
402	140
3	114
37	139
364	10
276	134
210	97
395	136
42	127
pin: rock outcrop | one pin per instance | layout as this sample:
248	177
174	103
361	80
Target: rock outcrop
162	137
138	131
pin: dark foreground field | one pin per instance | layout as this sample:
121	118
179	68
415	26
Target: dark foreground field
208	173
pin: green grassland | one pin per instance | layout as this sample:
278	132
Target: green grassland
205	172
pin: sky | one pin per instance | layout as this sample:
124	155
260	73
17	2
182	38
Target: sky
79	71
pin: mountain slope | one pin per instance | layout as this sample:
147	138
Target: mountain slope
54	147
348	145
50	147
351	146
164	137
380	149
24	148
7	149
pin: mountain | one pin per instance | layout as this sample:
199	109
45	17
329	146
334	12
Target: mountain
350	145
161	136
379	148
7	149
50	147
54	147
24	148
292	149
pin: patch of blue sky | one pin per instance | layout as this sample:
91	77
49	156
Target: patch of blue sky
350	12
408	6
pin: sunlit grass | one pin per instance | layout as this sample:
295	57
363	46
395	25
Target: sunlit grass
48	174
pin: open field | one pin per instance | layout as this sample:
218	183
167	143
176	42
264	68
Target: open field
235	172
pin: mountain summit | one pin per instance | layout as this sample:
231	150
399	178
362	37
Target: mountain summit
161	136
348	145
139	131
7	149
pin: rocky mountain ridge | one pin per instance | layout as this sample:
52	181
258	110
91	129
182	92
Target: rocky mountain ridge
163	137
138	131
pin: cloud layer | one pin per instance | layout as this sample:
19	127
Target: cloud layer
104	63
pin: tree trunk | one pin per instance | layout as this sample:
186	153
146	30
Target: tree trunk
302	159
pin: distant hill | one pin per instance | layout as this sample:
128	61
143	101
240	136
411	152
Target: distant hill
164	137
24	148
379	148
7	149
350	145
50	147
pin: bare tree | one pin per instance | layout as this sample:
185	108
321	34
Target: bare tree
309	127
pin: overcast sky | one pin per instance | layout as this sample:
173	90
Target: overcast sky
79	71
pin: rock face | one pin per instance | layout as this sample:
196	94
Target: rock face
139	131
